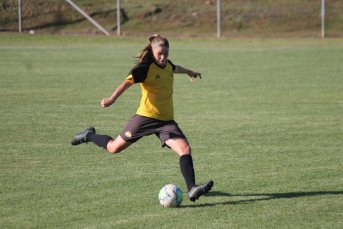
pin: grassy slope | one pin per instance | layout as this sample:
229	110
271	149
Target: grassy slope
239	18
264	123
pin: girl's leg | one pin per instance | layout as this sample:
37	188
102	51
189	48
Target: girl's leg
107	142
182	148
104	141
118	145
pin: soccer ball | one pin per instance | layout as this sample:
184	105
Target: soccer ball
170	196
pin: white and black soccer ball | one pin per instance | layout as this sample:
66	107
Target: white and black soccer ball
170	196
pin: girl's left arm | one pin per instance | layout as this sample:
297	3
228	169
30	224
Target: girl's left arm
192	74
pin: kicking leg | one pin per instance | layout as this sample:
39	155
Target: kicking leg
118	145
112	146
105	141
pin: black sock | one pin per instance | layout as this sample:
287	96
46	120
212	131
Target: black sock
186	166
99	140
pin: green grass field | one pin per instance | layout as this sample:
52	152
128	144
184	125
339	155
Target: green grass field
265	123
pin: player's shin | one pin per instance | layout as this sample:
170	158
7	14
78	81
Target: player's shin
187	170
99	140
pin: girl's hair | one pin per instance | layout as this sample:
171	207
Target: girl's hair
154	41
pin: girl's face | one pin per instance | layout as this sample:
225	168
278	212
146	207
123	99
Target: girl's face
160	55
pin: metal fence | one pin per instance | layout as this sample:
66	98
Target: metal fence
192	17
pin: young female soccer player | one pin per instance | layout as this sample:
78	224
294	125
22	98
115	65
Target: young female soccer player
155	114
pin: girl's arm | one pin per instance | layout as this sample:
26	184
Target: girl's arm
122	87
191	73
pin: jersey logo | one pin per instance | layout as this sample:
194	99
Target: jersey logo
128	134
158	77
171	74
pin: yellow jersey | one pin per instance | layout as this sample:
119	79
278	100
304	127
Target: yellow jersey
157	89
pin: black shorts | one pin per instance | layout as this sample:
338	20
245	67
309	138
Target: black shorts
139	126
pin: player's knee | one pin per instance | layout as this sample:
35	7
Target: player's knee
112	148
186	150
117	146
112	151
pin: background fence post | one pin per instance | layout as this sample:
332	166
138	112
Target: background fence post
118	18
323	18
19	15
219	32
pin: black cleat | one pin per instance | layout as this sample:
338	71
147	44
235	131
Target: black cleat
199	190
82	137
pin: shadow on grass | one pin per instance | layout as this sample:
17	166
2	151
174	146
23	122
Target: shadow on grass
263	197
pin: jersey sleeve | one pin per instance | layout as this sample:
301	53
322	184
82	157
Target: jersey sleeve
139	73
173	66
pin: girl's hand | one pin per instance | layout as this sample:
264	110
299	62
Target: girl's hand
194	75
106	102
122	87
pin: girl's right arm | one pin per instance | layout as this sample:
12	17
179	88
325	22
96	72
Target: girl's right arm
122	87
